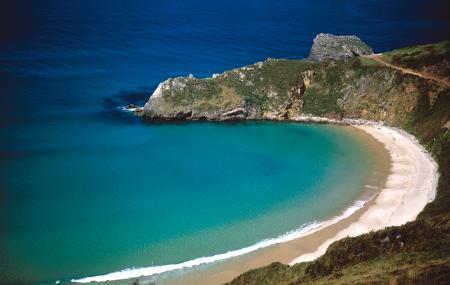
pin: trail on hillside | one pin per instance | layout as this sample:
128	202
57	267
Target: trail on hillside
379	58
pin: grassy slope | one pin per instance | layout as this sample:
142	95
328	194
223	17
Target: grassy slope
259	86
329	84
421	254
428	58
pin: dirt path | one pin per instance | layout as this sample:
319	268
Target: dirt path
379	58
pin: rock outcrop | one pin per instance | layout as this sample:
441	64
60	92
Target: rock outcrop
273	89
327	46
417	252
347	87
356	88
266	90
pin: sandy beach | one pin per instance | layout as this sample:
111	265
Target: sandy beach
411	184
405	181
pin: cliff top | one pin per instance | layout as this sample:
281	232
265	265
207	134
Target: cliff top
327	46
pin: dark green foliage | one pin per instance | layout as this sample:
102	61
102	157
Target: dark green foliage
331	81
275	273
421	57
417	252
413	237
278	76
253	84
196	89
319	101
427	124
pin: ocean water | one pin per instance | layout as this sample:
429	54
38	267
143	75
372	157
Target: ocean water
86	189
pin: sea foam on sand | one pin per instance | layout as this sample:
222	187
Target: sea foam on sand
410	185
151	270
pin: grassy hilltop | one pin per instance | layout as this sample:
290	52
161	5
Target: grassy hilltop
358	87
406	88
422	253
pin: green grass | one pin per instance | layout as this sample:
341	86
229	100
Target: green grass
421	57
362	88
365	61
254	84
331	82
419	51
424	257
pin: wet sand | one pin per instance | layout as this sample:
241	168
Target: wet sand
402	182
226	270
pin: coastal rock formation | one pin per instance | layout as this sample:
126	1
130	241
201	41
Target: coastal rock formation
238	113
258	91
356	88
349	86
419	251
327	46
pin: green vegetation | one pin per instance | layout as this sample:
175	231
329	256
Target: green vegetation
257	83
331	83
422	58
365	61
420	51
264	85
419	251
192	89
359	88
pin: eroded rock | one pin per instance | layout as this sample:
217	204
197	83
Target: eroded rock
327	46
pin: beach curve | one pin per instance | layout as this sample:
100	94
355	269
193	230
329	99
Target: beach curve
411	184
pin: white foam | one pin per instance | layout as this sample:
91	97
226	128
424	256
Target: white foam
126	109
371	187
147	271
411	184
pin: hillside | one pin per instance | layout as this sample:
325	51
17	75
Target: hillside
379	88
421	254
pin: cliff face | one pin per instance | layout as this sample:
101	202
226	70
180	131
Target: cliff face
406	88
361	88
326	46
419	104
265	90
357	87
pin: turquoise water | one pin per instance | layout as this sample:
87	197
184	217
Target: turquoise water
122	196
86	189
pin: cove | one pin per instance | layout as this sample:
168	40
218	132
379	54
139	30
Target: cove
126	196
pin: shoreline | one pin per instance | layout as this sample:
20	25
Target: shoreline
396	144
410	183
286	252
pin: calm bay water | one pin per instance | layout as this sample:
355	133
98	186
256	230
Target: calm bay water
86	189
136	195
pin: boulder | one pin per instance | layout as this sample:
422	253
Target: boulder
327	46
234	113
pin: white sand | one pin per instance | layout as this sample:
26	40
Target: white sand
411	184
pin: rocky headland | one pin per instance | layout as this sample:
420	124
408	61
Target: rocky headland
327	46
336	84
342	81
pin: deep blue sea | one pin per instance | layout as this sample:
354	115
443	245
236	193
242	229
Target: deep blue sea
86	189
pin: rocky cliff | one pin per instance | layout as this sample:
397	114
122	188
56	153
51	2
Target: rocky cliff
356	87
327	46
266	90
408	88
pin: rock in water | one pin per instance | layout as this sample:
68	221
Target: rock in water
327	46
